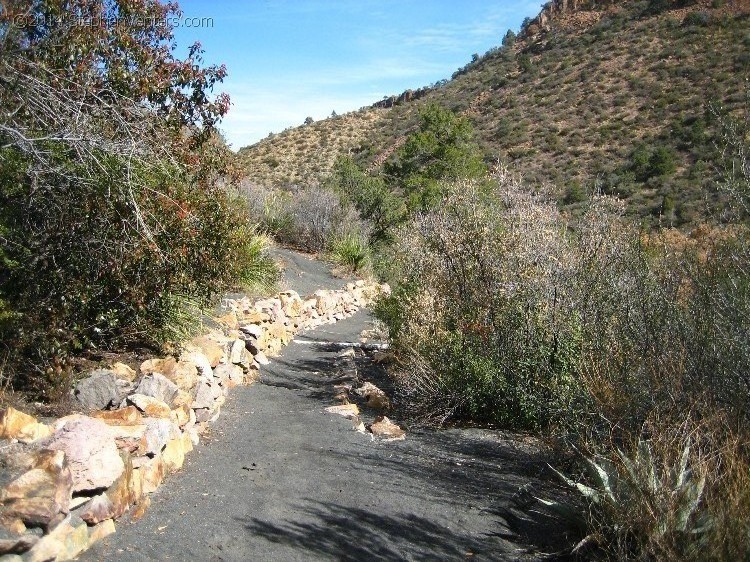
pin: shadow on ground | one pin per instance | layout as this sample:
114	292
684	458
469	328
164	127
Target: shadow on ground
356	534
471	469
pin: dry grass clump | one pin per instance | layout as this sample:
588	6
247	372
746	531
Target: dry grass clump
478	304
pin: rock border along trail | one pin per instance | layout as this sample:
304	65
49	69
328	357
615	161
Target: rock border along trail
64	483
277	476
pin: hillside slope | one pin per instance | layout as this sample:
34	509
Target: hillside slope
301	155
597	95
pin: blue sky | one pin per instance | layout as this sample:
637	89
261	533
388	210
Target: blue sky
289	59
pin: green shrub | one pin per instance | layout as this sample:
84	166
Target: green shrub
81	278
699	19
442	149
256	271
575	193
373	199
351	251
662	162
648	162
480	337
113	228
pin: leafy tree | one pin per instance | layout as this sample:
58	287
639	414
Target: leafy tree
509	39
371	197
112	53
110	215
524	63
639	162
662	162
442	149
648	163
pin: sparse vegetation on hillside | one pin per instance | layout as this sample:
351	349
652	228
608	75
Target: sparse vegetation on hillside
354	213
572	106
304	156
442	148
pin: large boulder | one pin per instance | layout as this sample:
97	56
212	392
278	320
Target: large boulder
157	365
376	398
203	397
123	372
150	406
66	541
158	433
175	451
124	416
291	303
229	375
253	330
255	317
228	320
14	544
90	449
151	474
200	360
39	488
349	411
158	386
115	501
210	347
238	354
325	301
183	373
14	424
386	429
98	391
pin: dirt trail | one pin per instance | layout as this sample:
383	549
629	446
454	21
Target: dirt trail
279	479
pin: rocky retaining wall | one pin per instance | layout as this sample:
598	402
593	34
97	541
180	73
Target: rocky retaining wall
64	483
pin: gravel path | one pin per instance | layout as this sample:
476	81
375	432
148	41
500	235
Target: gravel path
279	479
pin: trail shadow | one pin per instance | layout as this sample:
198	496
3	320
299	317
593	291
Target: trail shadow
314	367
472	474
469	484
478	469
315	375
348	534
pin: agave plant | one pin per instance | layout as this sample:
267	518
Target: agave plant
638	496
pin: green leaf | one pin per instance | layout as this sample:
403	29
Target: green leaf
602	477
689	503
587	491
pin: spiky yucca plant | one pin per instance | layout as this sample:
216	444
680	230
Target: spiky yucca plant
638	497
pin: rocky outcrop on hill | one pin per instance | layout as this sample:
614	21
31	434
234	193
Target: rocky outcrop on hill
555	10
404	97
64	483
